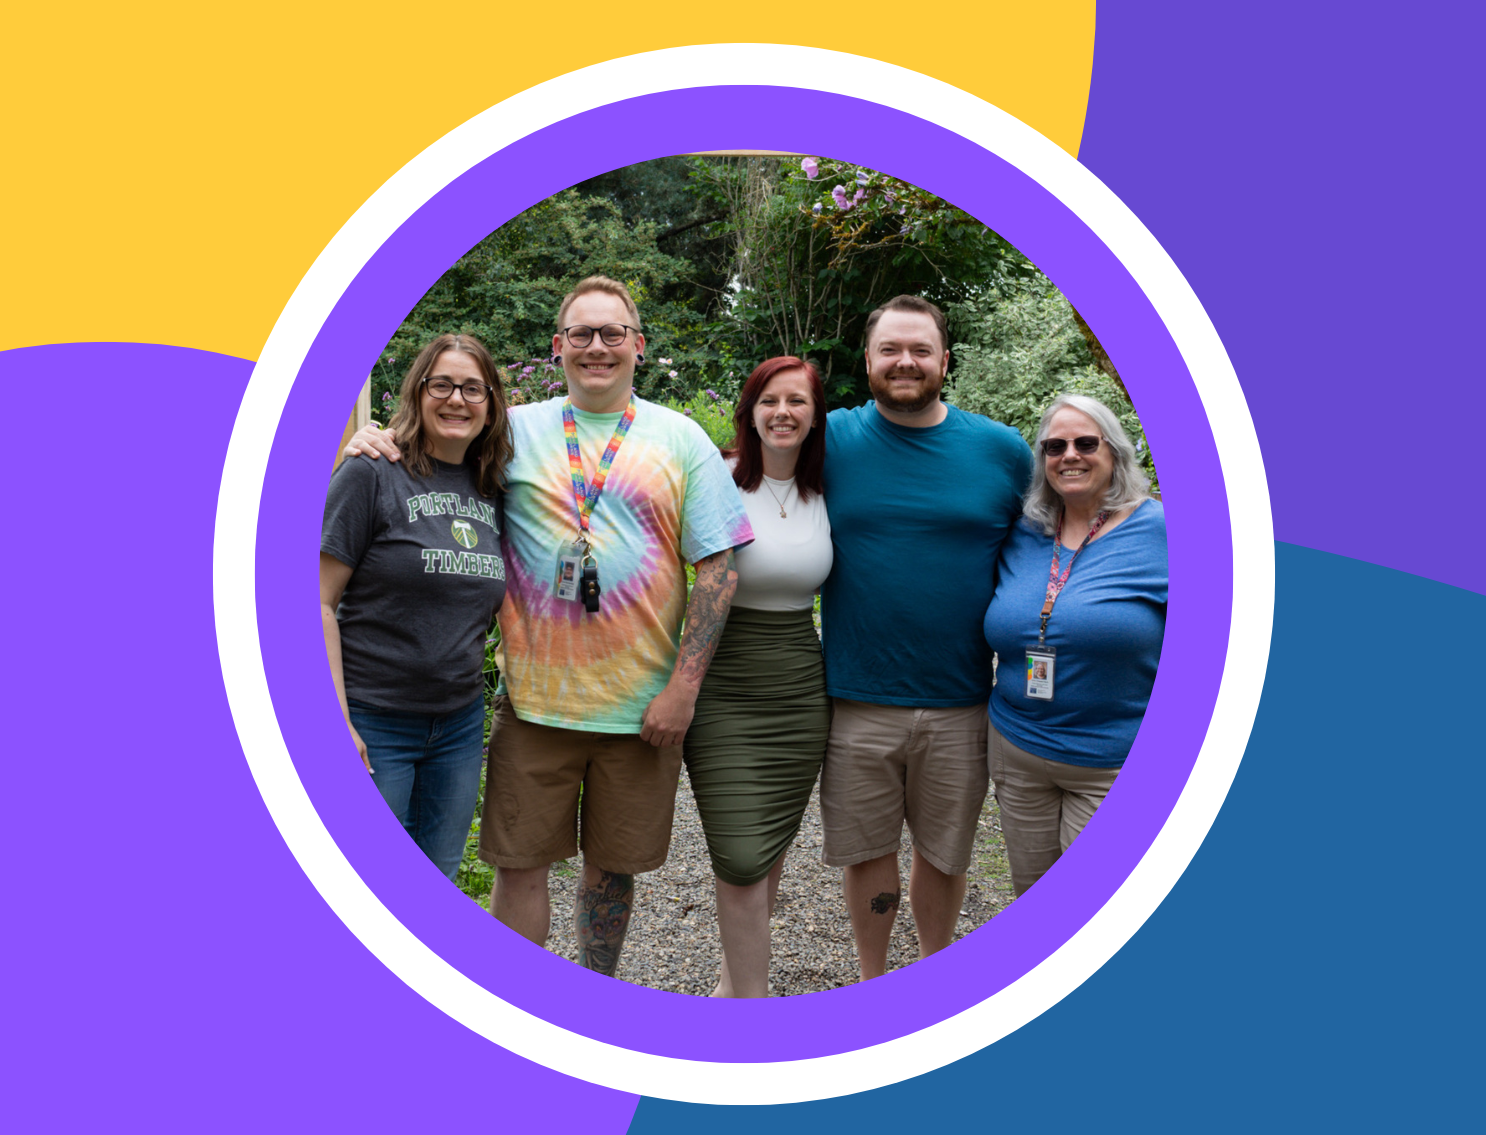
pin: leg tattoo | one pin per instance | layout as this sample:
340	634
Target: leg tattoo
601	915
885	903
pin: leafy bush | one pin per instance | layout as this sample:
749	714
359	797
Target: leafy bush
1013	355
710	412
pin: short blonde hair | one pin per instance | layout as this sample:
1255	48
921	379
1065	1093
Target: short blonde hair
599	284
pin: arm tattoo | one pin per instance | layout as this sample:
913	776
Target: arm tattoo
601	915
885	903
706	613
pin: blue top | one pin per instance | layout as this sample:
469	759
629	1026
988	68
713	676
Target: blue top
917	519
1107	626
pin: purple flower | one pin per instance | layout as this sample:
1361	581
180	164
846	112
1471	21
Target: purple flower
527	370
862	178
860	193
905	230
890	195
811	168
387	396
815	208
712	394
839	195
687	413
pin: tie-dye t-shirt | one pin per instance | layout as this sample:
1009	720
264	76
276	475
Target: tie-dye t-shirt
668	501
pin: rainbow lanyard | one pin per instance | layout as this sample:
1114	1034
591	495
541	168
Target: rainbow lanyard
586	497
1055	581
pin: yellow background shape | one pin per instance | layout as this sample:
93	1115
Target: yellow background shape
173	172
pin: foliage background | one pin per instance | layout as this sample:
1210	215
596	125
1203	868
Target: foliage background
735	260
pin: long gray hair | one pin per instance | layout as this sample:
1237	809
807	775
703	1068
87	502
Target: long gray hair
1127	487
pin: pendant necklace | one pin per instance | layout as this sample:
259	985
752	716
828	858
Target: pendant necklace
782	514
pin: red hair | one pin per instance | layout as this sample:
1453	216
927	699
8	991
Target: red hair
748	451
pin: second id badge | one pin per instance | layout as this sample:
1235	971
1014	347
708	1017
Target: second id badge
1041	664
570	570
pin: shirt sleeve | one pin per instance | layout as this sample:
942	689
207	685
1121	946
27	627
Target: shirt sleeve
350	521
713	518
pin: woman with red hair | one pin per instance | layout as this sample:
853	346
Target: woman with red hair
755	745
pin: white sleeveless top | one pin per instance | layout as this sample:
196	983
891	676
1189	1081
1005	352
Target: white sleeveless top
790	556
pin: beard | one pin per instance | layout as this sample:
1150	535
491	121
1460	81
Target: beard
905	401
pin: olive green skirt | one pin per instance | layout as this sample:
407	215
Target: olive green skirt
755	745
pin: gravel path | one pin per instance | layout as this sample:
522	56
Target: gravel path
673	942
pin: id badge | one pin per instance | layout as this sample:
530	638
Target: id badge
569	571
1041	664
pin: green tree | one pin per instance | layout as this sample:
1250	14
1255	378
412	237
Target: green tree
1014	353
507	289
819	244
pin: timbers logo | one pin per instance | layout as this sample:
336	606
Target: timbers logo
465	533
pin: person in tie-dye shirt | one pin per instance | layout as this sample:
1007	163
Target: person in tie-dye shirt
587	737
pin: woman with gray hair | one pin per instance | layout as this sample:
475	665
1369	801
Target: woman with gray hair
1076	620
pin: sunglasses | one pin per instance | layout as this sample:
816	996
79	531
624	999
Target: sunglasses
1057	446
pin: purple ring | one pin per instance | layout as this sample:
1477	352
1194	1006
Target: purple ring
742	117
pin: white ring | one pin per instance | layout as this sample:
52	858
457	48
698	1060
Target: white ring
242	661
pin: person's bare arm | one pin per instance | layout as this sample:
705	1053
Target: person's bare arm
334	576
669	716
374	442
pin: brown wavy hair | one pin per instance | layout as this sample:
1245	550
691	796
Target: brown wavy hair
490	452
748	450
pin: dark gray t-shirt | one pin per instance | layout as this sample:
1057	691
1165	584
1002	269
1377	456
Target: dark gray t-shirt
428	577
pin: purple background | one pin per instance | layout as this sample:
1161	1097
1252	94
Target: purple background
179	972
1315	172
358	330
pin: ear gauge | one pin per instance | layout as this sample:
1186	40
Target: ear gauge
639	359
557	360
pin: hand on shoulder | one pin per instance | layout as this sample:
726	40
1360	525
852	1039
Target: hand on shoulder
374	442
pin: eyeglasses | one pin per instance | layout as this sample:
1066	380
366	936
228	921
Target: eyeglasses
610	334
471	391
1057	446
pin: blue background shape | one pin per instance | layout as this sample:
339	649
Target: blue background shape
1317	967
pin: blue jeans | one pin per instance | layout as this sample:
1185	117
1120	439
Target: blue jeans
428	771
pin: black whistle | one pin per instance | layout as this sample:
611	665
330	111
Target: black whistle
588	588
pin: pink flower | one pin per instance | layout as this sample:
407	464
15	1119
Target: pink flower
860	193
811	168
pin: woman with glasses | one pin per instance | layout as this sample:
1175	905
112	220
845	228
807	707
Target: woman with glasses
758	736
411	575
1076	621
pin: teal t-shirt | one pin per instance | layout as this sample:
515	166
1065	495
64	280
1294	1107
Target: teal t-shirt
917	520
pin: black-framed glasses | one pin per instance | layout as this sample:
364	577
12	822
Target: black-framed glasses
471	391
1057	446
610	334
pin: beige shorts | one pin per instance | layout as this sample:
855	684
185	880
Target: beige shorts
532	813
888	763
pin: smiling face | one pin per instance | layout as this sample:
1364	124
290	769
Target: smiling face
1081	479
906	361
599	377
451	423
784	414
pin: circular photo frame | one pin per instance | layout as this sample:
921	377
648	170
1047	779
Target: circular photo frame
780	99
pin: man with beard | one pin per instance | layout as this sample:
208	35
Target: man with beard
920	495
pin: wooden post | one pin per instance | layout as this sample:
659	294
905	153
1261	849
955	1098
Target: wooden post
360	416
